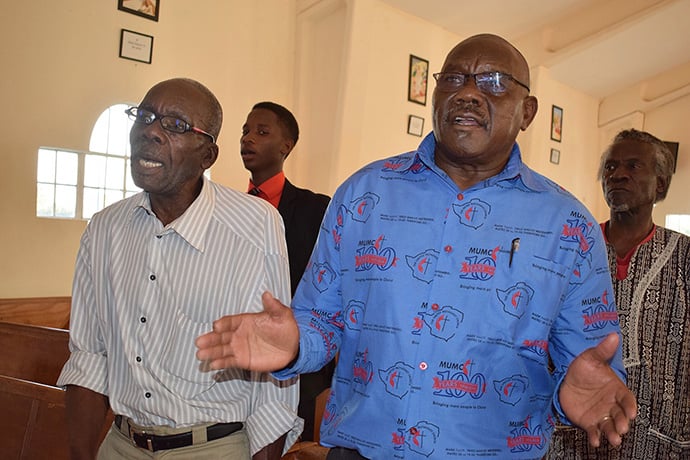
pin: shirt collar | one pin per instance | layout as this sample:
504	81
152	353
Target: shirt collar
515	170
192	225
271	189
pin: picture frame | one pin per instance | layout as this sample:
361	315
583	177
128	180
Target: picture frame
555	156
418	74
145	8
136	46
556	123
415	125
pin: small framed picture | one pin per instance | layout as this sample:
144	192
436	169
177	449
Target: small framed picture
136	46
417	80
556	123
415	126
145	8
555	156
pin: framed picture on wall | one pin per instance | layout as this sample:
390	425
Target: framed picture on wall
415	126
555	156
136	46
417	79
145	8
556	123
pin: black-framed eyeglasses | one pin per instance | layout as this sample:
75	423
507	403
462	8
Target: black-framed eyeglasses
169	123
496	83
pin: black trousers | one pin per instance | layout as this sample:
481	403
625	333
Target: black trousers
341	453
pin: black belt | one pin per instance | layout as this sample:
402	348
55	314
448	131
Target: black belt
154	442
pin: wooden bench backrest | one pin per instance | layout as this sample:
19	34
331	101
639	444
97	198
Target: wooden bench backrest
33	353
39	311
33	422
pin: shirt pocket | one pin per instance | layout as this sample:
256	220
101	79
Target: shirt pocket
182	373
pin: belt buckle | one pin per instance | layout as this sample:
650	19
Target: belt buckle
149	444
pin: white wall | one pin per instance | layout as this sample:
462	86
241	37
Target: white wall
670	123
341	65
579	146
61	69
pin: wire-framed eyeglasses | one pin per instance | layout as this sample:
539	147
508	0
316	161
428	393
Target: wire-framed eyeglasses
169	123
496	83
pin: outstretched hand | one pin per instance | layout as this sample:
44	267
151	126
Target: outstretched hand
264	341
594	398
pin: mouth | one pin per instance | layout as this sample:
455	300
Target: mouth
149	163
246	153
615	190
144	163
466	119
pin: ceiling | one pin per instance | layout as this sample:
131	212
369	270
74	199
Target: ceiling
605	48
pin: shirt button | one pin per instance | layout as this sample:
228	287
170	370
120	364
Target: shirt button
461	196
448	248
142	319
152	277
138	359
147	394
423	365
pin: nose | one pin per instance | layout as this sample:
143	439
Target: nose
468	92
617	173
246	139
152	132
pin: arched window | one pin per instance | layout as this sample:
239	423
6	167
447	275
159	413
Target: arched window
75	185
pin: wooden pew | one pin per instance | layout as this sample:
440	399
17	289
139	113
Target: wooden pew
33	422
33	353
40	311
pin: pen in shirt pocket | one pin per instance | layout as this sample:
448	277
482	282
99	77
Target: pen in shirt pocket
514	246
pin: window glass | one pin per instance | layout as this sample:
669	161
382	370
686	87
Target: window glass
46	166
66	168
65	200
115	173
94	171
678	222
66	180
45	200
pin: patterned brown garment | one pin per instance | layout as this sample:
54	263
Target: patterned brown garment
653	304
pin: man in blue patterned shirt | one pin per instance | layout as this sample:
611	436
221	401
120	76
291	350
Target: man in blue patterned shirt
449	279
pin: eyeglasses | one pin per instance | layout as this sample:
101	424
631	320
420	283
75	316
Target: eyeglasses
169	123
495	83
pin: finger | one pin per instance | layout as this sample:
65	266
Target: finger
208	340
272	306
607	425
607	348
210	349
628	404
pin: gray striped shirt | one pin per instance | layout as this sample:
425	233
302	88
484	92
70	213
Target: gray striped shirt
143	292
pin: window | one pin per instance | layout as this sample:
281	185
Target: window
75	184
678	222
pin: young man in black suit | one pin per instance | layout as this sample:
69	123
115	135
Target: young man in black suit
268	136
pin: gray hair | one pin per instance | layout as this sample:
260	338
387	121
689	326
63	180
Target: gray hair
664	162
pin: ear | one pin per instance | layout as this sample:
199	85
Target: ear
662	184
210	156
529	111
286	148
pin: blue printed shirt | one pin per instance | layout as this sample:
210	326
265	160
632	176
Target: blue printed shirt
445	306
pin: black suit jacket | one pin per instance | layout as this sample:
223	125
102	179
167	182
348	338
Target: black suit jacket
302	211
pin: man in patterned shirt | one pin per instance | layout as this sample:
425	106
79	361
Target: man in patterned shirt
153	272
446	277
650	265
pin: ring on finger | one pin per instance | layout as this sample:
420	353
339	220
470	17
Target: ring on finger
604	419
